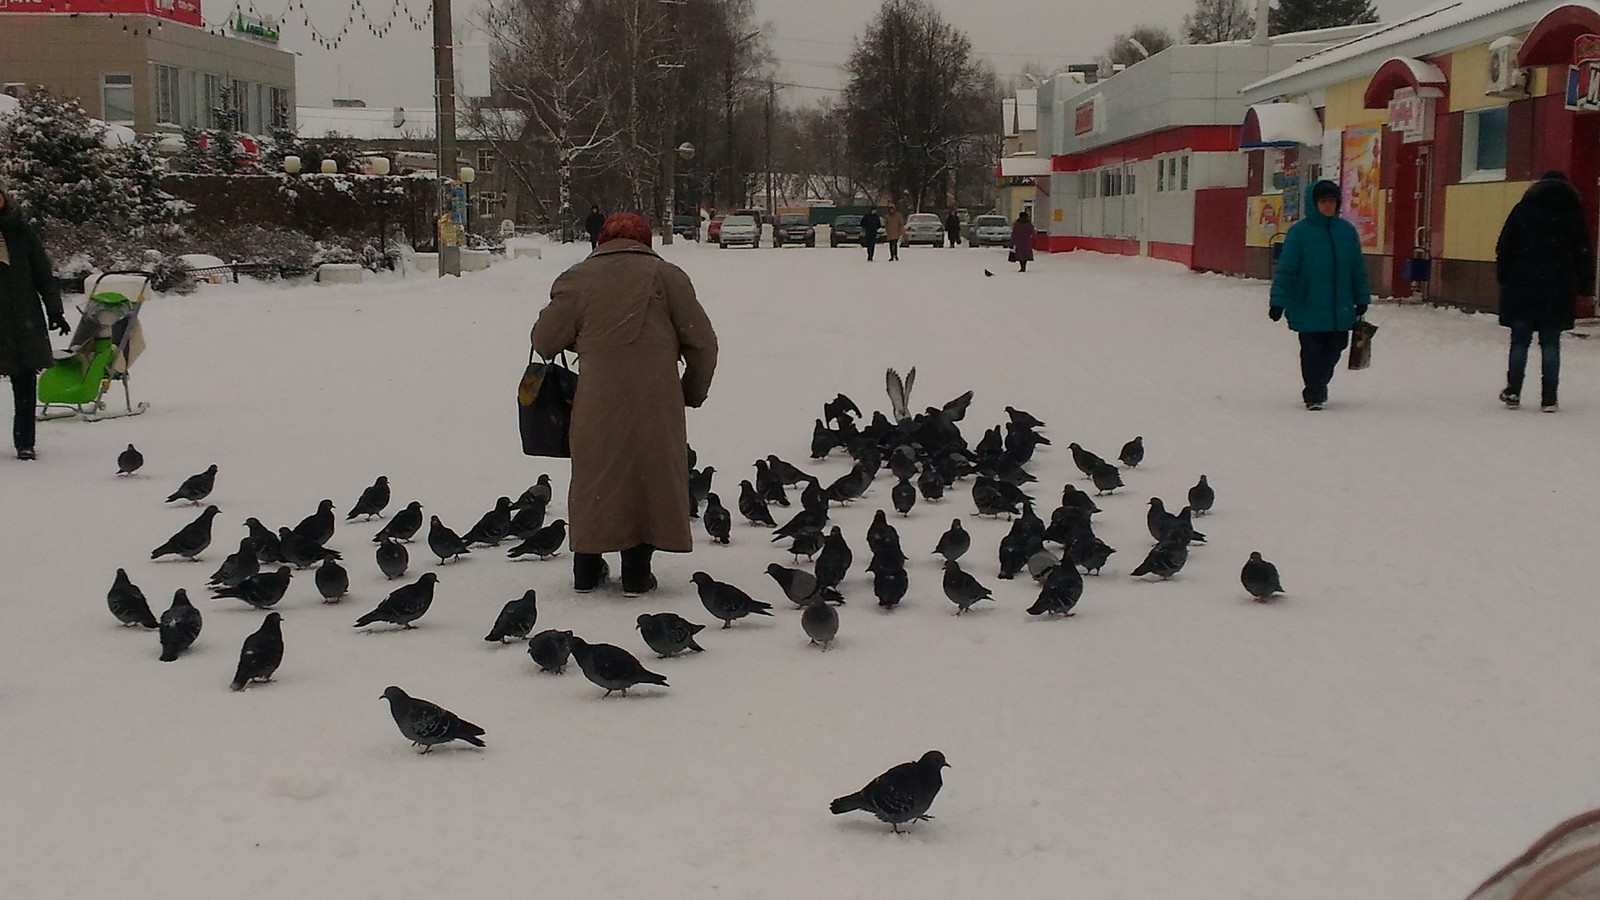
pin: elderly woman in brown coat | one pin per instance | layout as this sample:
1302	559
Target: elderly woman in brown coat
29	299
630	316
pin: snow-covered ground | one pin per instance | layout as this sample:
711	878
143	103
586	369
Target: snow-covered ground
1417	709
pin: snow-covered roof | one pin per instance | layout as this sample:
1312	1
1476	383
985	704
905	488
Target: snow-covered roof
1283	124
1438	28
397	123
1023	166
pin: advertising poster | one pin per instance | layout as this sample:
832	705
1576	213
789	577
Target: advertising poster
1264	219
1358	180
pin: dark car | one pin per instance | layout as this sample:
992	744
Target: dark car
846	230
794	229
687	227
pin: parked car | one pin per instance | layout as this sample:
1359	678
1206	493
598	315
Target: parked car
794	229
687	227
990	231
761	218
923	228
847	230
714	229
738	230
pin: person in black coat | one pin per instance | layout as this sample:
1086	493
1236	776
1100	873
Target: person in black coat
593	224
871	223
1543	261
952	228
29	298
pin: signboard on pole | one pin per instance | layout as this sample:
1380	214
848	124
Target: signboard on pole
1411	116
458	203
1583	76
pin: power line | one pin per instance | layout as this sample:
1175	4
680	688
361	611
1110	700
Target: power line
851	44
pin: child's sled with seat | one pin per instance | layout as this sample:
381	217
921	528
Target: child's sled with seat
102	349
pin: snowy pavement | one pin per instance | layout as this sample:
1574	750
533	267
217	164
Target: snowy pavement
1413	713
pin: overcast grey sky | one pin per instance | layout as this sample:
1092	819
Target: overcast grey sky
811	39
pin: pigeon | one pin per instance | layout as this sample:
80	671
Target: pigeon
821	624
803	521
1201	497
1084	460
1090	553
954	543
191	539
445	543
889	583
1015	548
493	527
262	590
333	582
180	625
1106	478
1040	564
196	487
956	409
403	526
516	619
1061	590
392	559
372	500
699	488
127	602
1165	559
833	563
834	410
302	552
538	494
1165	526
405	604
990	498
1258	576
822	440
849	486
1183	527
612	667
930	484
900	392
690	454
267	546
726	602
801	587
904	496
427	724
768	487
806	544
318	527
1023	418
544	543
1132	453
527	520
787	473
717	519
882	538
550	649
814	498
752	507
962	589
901	795
129	461
1073	498
239	565
668	634
987	273
261	654
903	461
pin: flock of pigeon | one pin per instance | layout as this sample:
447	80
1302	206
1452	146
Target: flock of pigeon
925	453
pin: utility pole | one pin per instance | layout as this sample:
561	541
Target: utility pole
444	100
771	89
669	126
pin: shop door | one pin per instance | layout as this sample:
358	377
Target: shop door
1585	172
1413	204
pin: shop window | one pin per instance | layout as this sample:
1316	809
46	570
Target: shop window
1129	179
280	108
1483	145
1183	172
1161	175
1274	170
167	95
210	101
116	99
1088	185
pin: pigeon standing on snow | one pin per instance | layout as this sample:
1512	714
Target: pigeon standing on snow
333	582
962	589
190	540
889	580
786	472
668	634
196	487
987	273
1132	453
318	527
1106	478
833	563
261	654
752	507
550	649
821	623
903	794
801	587
768	487
904	496
393	558
239	565
443	542
544	543
1023	419
726	602
262	590
806	544
1202	497
180	625
405	604
882	538
1260	578
930	484
426	724
954	543
1165	560
612	667
372	500
302	552
128	603
129	461
718	522
527	519
699	487
516	618
538	494
268	549
493	526
1061	590
1084	460
404	526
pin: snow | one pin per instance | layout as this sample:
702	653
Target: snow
1411	715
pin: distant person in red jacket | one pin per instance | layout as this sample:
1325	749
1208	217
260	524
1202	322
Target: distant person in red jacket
1022	240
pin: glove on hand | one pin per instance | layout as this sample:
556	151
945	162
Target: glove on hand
1275	313
59	326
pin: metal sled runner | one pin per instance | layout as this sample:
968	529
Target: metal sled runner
102	350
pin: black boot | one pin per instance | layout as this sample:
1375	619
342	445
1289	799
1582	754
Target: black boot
636	577
589	571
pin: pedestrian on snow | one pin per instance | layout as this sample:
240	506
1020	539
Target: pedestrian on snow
630	315
593	224
1022	240
1321	283
1543	261
870	223
894	227
29	299
952	228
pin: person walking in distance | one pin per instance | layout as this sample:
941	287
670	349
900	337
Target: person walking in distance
29	300
952	227
1544	260
593	224
894	227
870	223
1321	285
1022	240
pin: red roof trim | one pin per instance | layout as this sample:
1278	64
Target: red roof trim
1393	75
1550	42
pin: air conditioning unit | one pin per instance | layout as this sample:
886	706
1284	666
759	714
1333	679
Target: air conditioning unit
1505	79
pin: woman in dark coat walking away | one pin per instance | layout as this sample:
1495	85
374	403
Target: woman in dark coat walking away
952	228
29	298
1022	240
631	316
870	223
1544	260
593	224
1321	283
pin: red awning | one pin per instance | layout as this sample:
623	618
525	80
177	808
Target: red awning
1403	71
1550	42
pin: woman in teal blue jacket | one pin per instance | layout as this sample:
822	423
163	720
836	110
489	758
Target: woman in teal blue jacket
1321	284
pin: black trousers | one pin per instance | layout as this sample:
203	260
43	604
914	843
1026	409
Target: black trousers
1319	356
872	246
587	568
24	389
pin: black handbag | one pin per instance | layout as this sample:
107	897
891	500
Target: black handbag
1011	256
544	407
1361	344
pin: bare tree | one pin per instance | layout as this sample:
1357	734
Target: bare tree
1215	21
1142	42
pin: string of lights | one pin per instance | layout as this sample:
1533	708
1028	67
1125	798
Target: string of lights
359	15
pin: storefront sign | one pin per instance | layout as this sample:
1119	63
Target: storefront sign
1583	76
256	27
1411	116
1358	180
1086	118
185	11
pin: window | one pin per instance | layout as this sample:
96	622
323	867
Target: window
486	161
241	105
210	101
486	203
1161	175
1087	184
280	107
1128	179
1483	145
1183	172
116	99
1273	170
167	108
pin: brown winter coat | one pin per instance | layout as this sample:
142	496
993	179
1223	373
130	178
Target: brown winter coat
29	295
630	316
894	224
